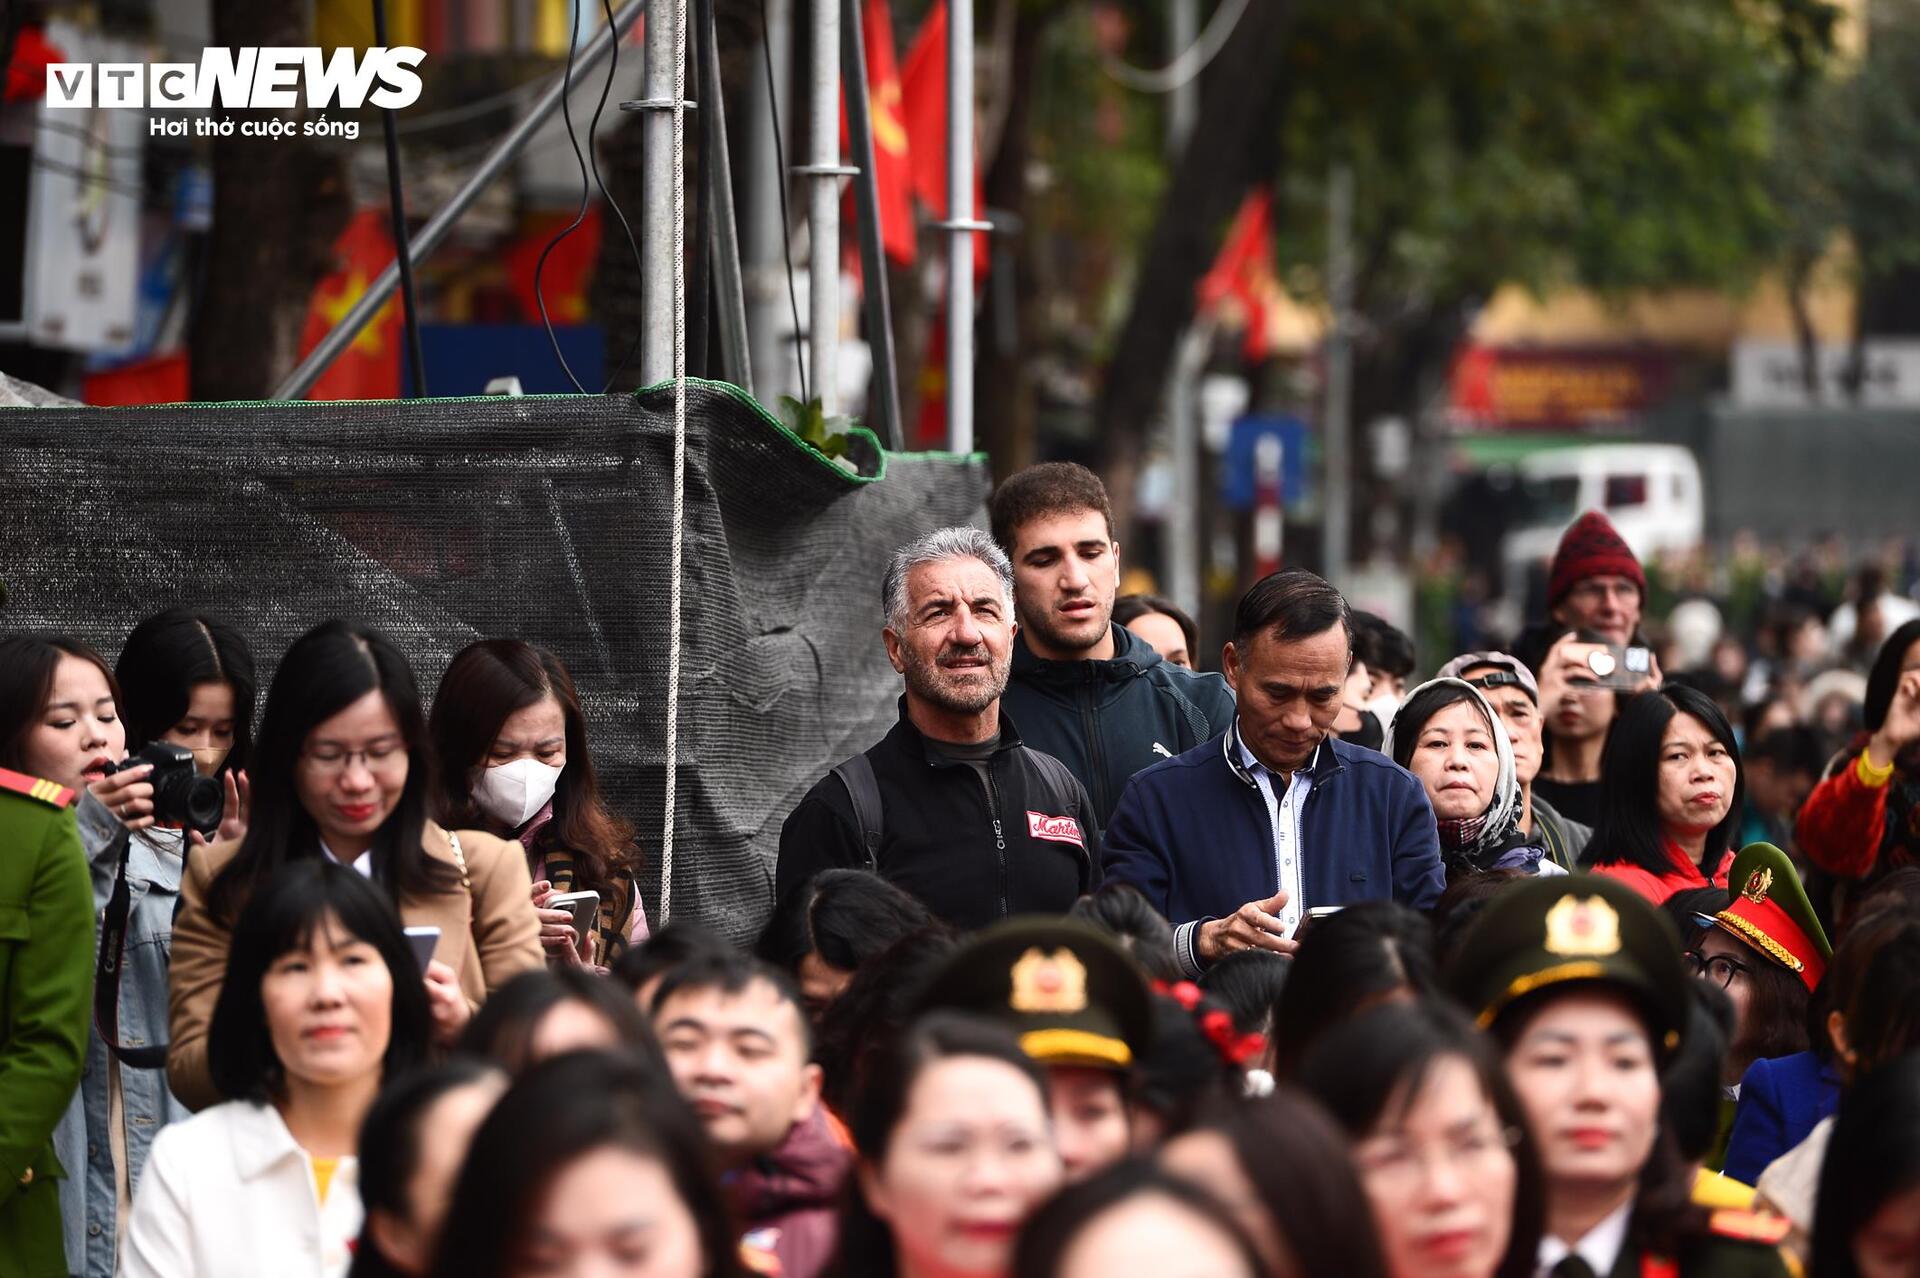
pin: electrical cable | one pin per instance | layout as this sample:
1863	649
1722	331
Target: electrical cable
1178	73
786	234
593	157
397	206
580	216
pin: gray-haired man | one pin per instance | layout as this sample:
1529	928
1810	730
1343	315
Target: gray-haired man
949	805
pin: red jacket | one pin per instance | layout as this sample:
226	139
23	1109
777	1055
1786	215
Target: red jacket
1844	826
1682	875
788	1201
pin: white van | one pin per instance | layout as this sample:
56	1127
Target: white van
1651	492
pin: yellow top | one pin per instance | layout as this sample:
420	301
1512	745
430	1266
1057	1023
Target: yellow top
323	1174
1718	1190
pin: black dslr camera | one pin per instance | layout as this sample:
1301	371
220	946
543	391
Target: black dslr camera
181	796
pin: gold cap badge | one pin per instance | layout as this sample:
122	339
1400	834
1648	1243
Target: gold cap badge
1583	925
1055	982
1759	883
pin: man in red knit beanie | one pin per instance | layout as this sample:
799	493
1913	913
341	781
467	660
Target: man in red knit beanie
1596	583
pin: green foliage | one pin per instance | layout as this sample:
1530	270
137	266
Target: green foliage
1617	146
828	435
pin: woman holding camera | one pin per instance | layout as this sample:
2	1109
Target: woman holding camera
511	741
69	704
321	1003
343	771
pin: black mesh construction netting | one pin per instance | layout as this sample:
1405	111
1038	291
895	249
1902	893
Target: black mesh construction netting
443	521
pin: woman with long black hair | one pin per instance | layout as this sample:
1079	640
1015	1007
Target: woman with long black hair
1671	794
344	771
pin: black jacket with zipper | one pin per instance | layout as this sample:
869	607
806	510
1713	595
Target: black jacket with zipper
1107	720
1030	849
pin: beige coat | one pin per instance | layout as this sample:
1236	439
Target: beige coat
487	936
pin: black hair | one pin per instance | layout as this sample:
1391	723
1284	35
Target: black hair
326	670
1883	680
1776	1019
1690	1085
876	1007
1051	1232
1294	604
667	948
1460	905
1298	1161
1629	832
1248	983
1371	1070
1346	962
1873	1155
1127	607
503	1030
1181	1072
285	912
1685	908
1789	750
559	1112
165	658
1123	912
27	667
391	1137
1039	491
1411	719
844	916
1382	645
866	1244
1883	1016
732	973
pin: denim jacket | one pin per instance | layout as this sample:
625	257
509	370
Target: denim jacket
89	1199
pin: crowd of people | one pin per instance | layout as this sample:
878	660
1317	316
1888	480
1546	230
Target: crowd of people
1578	958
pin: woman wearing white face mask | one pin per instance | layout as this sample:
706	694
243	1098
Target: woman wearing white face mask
512	745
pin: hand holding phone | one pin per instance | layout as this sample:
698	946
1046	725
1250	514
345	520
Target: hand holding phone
578	911
423	940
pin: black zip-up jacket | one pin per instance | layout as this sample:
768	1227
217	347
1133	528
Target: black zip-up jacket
1107	720
1032	849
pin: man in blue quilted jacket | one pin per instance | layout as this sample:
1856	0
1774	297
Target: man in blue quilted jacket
1237	838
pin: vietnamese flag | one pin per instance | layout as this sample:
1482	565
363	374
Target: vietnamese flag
1242	277
892	173
370	367
923	99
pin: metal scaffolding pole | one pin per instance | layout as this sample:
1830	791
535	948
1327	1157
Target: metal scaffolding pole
723	235
960	225
1183	428
824	171
301	379
765	226
1337	510
656	174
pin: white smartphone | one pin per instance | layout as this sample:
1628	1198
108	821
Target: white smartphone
585	907
423	940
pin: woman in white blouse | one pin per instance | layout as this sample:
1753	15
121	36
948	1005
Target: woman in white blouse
322	1001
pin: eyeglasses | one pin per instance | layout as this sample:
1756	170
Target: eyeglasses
1718	968
1399	1163
329	760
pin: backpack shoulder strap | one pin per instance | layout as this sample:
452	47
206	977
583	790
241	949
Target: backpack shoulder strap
863	787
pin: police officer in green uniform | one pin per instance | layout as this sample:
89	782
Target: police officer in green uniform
1080	1007
1582	983
46	987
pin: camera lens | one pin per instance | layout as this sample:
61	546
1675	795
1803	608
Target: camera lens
201	803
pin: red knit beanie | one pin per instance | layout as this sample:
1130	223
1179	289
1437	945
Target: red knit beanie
1591	548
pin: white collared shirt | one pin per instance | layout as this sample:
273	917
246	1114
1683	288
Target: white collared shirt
362	863
1283	816
228	1193
1600	1248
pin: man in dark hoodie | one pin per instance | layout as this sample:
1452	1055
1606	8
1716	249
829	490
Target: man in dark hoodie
739	1045
1090	693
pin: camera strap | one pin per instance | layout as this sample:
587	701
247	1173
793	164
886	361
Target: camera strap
106	977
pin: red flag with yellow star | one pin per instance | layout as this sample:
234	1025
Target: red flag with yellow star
370	368
892	170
